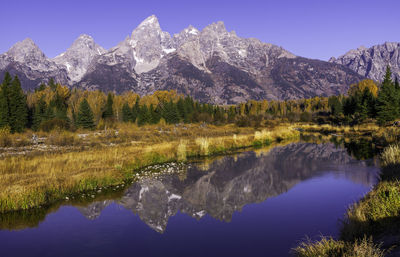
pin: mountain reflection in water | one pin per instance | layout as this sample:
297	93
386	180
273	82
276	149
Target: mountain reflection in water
231	182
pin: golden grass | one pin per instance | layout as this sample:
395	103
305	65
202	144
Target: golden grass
329	247
391	155
27	182
326	128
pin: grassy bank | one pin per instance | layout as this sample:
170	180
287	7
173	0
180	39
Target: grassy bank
382	136
35	180
375	216
328	247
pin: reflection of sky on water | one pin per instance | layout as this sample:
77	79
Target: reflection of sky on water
244	205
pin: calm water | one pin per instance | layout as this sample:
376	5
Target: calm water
252	204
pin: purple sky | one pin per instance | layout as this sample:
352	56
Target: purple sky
311	28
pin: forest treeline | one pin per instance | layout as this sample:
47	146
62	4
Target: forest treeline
56	106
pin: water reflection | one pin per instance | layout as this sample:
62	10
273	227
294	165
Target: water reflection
234	181
222	186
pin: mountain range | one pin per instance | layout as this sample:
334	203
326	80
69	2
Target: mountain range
212	65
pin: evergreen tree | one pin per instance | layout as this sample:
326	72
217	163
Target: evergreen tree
231	114
39	113
52	84
60	107
369	101
126	113
157	114
387	102
18	117
170	113
135	110
49	114
84	118
397	89
108	109
335	105
182	110
144	116
4	100
219	116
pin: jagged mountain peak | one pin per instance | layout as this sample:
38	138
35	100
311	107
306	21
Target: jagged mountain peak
151	20
83	38
24	49
26	42
149	24
372	62
147	45
218	26
26	60
78	56
191	30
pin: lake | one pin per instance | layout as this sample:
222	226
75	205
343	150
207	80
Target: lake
255	203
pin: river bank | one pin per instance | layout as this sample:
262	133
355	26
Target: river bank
371	226
37	180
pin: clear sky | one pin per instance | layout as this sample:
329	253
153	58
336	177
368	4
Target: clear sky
310	28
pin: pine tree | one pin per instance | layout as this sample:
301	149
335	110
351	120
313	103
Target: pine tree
181	109
155	115
170	113
60	107
144	115
231	114
126	113
108	108
4	100
52	84
397	89
135	110
18	117
387	101
84	118
335	105
39	113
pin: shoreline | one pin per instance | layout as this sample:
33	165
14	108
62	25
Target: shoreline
54	176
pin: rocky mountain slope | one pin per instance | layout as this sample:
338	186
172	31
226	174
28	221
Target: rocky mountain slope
26	60
212	65
78	57
371	62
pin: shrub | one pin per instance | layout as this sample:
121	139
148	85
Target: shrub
52	124
5	137
306	117
61	138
